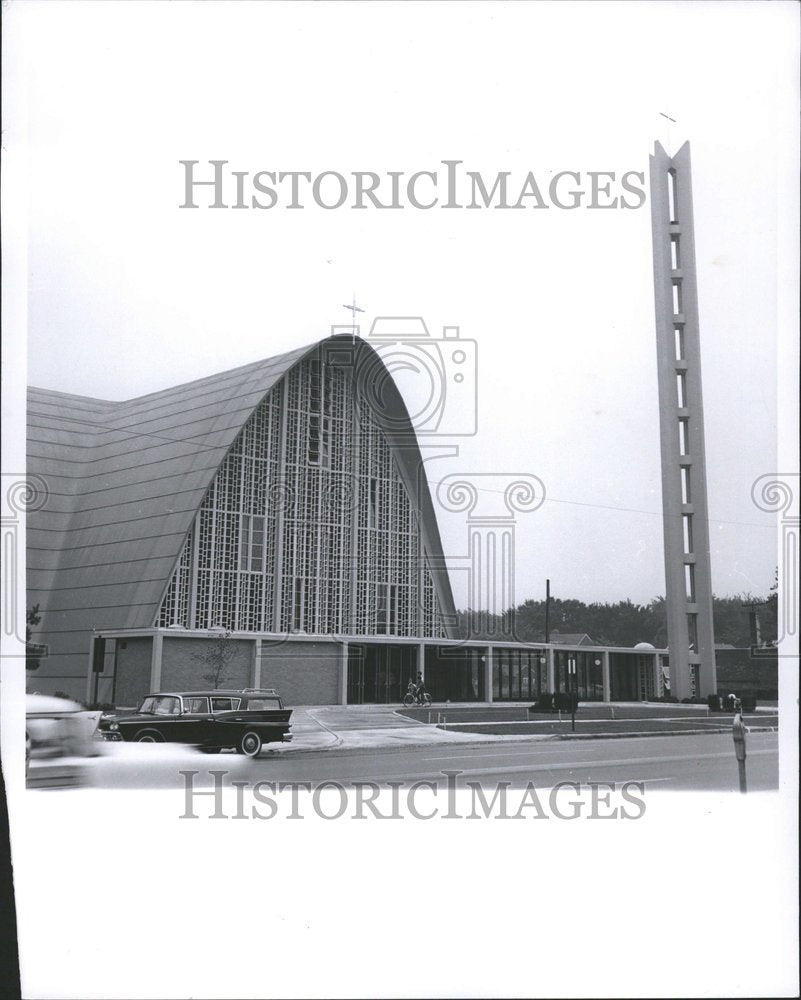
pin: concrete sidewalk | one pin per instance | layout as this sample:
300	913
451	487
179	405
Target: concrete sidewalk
365	727
316	727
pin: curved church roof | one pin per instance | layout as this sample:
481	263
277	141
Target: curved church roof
125	480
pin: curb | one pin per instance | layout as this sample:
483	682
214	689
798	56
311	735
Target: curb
671	732
343	749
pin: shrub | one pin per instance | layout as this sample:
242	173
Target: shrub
545	702
748	702
565	701
713	703
671	699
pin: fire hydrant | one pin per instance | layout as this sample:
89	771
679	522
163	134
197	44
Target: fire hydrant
738	734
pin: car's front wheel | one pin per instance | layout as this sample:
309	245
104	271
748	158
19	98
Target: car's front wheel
249	744
148	736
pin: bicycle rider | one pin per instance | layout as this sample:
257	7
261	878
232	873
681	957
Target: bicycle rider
420	689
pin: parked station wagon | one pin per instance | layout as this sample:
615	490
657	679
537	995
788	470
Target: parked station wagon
210	720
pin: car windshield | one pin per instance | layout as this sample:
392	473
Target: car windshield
262	704
161	705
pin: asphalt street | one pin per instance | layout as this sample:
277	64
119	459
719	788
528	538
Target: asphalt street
671	763
674	763
378	744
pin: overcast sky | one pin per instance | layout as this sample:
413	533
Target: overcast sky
129	294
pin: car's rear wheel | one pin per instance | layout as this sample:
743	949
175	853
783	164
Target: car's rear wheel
148	736
249	744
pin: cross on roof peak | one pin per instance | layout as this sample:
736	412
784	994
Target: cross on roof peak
354	309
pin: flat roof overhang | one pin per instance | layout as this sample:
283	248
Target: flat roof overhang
361	640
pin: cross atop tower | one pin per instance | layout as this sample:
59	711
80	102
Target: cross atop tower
354	309
668	124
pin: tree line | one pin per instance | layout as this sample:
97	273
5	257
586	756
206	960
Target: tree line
624	623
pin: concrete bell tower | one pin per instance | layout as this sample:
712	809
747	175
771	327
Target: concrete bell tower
681	423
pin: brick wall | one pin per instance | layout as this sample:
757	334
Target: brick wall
132	680
188	664
303	673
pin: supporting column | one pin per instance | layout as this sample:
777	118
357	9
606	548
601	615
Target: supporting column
488	672
421	659
90	677
657	675
551	671
606	677
155	661
343	674
98	667
255	669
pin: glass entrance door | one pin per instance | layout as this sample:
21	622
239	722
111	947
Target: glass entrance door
379	675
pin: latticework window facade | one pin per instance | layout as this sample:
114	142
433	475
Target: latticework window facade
307	526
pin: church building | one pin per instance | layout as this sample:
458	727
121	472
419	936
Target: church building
266	526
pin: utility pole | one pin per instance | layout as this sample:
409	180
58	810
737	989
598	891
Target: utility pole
547	606
753	621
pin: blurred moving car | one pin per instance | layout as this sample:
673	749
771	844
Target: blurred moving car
211	720
58	735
